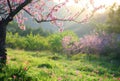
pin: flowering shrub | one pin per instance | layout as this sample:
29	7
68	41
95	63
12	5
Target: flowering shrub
70	45
98	43
93	44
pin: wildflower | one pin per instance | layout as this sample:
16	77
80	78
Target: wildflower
53	75
59	78
22	27
14	76
77	72
25	68
101	79
118	79
96	71
26	62
80	75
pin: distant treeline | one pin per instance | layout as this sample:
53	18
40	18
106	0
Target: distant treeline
13	27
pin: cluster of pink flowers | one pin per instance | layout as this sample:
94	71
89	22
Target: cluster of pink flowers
92	44
70	46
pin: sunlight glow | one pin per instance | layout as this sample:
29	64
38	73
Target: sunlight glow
83	3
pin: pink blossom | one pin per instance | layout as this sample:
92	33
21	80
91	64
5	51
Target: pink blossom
43	11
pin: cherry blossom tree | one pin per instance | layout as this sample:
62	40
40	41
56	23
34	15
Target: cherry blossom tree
40	11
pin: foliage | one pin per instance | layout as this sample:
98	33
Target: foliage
10	73
37	42
75	68
112	24
30	42
114	19
55	40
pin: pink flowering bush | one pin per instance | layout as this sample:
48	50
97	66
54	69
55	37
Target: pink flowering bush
98	43
70	45
103	43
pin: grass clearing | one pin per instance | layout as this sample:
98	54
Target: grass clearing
48	66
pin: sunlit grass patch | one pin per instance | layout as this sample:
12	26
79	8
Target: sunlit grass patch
49	66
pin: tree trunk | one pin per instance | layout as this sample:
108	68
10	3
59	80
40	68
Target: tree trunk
3	55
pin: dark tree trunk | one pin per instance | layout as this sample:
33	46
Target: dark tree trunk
3	55
3	24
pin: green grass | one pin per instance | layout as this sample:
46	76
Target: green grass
48	66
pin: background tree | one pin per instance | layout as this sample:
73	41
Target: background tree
112	20
40	11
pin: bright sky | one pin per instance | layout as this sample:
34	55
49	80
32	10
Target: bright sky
97	2
83	3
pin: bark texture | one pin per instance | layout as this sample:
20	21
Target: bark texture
3	55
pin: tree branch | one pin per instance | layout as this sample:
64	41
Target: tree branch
73	19
30	14
9	6
20	7
57	19
54	8
50	20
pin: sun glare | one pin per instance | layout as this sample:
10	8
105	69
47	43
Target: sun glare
83	3
107	3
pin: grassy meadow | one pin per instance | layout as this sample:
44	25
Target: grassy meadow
50	66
